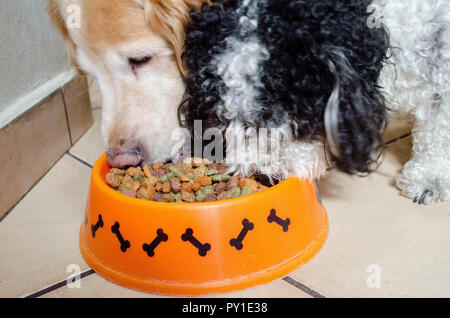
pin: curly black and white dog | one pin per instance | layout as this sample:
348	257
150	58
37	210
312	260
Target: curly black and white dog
324	73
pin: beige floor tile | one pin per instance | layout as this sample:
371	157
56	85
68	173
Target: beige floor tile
39	238
398	127
91	146
275	289
371	223
95	286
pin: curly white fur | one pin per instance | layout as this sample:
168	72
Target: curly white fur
418	82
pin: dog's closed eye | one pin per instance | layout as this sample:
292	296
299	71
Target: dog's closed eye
136	62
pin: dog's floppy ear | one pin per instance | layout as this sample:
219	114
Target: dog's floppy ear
354	118
53	9
169	19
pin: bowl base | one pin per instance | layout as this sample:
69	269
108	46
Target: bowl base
184	289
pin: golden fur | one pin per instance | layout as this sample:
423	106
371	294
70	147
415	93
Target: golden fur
168	18
140	100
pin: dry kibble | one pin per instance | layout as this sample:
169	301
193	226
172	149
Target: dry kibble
113	180
186	187
151	181
143	193
188	197
158	166
211	172
220	177
187	168
233	193
138	176
119	172
223	169
159	197
159	173
185	178
222	196
246	190
197	162
210	198
191	181
234	182
199	172
177	197
166	187
135	186
147	171
200	196
168	197
249	183
220	187
124	186
133	170
151	190
175	185
127	179
128	192
177	171
205	181
166	177
207	189
196	185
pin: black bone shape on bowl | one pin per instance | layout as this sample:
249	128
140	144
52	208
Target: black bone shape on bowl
150	248
95	227
237	242
124	244
274	218
202	248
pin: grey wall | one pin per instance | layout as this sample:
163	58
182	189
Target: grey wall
31	50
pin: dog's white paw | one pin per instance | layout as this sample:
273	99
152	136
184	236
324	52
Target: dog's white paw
425	184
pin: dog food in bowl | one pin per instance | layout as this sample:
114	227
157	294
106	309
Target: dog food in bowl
194	180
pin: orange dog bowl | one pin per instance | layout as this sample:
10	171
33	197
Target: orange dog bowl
200	248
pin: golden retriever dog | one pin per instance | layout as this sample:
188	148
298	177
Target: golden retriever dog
134	50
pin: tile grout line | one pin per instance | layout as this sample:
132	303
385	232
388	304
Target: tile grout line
84	162
31	188
398	138
42	177
302	287
387	143
59	285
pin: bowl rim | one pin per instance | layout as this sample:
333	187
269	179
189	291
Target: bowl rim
101	184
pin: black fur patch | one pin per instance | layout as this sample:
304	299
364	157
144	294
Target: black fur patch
302	37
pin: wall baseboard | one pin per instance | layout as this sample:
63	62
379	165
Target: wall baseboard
36	96
33	142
